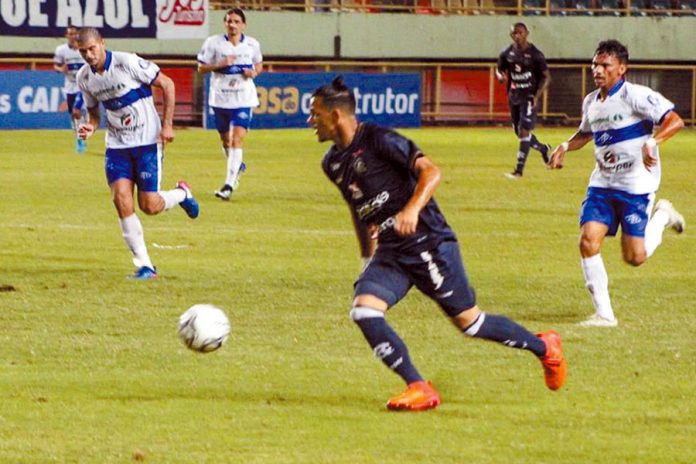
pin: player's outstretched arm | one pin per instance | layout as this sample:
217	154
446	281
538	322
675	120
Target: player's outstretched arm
671	124
576	142
169	99
406	220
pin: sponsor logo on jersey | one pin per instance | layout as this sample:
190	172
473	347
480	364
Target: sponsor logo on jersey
126	119
611	162
610	157
359	166
373	204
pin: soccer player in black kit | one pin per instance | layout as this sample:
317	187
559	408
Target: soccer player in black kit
388	184
523	68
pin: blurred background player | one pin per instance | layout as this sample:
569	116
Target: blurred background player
620	117
68	61
388	184
522	67
123	82
235	60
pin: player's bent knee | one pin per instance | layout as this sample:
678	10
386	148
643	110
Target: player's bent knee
363	312
635	259
588	246
467	317
151	206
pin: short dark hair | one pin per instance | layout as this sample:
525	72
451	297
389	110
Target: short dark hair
88	33
237	11
336	94
522	25
613	47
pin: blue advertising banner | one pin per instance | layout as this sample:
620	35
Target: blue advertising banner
391	100
49	18
32	100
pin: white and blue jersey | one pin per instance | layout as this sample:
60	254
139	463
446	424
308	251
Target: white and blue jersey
621	124
71	57
124	89
228	86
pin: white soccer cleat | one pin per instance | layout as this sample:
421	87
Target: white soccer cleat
596	320
676	220
225	192
513	175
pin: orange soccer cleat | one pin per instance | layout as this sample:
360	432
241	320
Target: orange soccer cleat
554	363
419	396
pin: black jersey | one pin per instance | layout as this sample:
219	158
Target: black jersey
376	177
525	69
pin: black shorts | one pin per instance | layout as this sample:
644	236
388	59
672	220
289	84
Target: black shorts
439	273
523	115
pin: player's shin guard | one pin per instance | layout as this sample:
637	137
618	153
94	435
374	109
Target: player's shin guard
522	154
597	283
132	231
535	143
172	197
654	231
234	162
503	330
540	147
385	343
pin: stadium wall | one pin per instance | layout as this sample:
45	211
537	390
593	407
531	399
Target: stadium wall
286	34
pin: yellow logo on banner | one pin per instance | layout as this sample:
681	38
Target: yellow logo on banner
275	100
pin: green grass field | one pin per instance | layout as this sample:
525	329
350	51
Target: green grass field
92	370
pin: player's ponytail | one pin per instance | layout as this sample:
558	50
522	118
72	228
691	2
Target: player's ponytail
336	94
339	84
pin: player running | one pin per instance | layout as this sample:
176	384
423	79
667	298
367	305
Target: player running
123	82
68	61
522	66
620	117
388	184
235	60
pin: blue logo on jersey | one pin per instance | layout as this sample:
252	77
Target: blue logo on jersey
652	100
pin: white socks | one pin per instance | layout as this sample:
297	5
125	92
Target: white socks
132	231
597	282
234	162
654	230
172	197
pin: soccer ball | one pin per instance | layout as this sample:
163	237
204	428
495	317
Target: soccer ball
204	328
